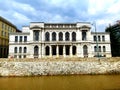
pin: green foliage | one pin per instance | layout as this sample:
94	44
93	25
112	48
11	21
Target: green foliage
115	38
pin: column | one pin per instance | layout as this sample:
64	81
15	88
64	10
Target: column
64	51
57	36
70	36
43	35
50	51
40	55
43	50
71	51
78	50
78	35
57	50
63	36
50	36
40	36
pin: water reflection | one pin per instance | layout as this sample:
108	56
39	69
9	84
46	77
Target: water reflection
77	82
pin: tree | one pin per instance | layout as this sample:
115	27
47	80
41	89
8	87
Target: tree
114	31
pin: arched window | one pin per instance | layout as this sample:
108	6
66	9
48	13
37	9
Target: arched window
15	50
95	49
25	50
47	50
95	38
104	49
74	50
60	36
99	39
47	36
99	48
67	36
36	50
53	36
85	50
20	49
73	36
36	35
103	38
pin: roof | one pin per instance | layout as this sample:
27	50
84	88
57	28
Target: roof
100	32
6	21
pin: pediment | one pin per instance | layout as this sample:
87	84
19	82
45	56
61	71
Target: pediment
35	27
85	26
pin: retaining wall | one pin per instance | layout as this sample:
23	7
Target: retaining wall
30	68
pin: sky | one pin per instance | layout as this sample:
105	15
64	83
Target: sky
22	12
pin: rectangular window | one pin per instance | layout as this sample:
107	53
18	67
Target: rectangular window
16	38
84	35
25	38
20	39
2	34
36	35
2	25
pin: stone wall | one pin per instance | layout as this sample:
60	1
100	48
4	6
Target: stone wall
30	68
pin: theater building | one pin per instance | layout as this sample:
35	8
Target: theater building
41	40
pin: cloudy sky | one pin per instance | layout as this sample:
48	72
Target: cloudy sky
22	12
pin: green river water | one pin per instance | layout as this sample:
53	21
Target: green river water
75	82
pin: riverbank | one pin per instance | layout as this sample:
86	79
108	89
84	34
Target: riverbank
35	67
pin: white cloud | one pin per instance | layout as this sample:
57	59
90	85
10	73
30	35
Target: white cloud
23	7
101	11
115	8
20	18
97	6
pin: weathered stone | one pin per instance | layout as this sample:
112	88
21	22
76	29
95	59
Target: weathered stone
60	67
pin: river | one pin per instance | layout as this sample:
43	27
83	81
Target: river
75	82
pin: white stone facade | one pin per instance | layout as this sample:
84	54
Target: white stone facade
41	40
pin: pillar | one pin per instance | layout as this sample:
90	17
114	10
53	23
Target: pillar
70	36
71	51
50	51
57	50
50	36
63	36
57	36
40	55
64	53
43	50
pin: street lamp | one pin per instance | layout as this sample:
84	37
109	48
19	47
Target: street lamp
94	24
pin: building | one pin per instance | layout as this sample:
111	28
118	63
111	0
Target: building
40	40
6	27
